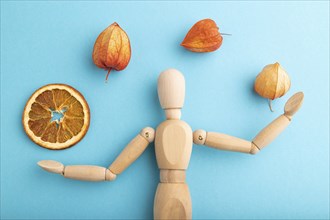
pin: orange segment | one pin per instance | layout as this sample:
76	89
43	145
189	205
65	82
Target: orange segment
46	99
73	124
63	134
60	96
38	112
75	110
68	102
38	126
50	134
56	133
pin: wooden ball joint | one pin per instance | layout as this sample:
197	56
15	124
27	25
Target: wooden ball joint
173	145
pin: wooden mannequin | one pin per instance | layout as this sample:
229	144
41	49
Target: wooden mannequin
173	145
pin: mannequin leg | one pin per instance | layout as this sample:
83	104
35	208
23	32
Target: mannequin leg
172	201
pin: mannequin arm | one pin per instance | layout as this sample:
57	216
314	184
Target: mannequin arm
133	150
95	173
78	172
267	135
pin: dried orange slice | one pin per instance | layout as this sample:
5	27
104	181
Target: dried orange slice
71	109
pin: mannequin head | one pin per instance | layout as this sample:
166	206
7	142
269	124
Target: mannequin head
171	92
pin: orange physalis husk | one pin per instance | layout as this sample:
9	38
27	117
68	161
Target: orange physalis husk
272	82
112	49
204	36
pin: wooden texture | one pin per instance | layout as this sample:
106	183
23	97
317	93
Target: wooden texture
293	104
171	89
85	172
173	113
227	142
52	166
132	151
254	149
109	176
199	137
148	133
172	201
173	144
172	176
271	131
224	142
78	172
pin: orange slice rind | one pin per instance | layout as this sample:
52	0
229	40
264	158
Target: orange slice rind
51	133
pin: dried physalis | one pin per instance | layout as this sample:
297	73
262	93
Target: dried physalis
272	82
204	36
112	49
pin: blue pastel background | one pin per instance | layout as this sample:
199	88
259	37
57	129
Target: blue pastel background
49	42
